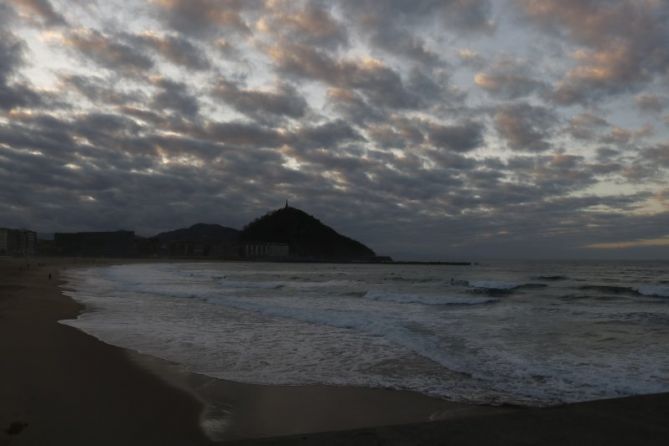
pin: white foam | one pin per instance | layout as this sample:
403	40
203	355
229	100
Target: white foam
427	299
654	290
232	321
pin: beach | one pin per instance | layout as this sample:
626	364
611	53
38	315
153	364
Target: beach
627	421
59	385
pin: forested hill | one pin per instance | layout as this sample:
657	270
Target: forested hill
200	232
306	235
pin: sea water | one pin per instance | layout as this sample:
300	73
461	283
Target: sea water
493	333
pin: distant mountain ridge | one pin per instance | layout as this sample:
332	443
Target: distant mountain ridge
199	232
307	236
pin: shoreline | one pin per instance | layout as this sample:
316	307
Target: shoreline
65	386
85	375
59	385
237	410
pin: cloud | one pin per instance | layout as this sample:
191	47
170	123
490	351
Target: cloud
463	15
108	52
99	89
379	83
482	133
281	101
329	135
11	55
309	23
177	49
13	93
631	244
244	134
40	10
657	155
353	106
586	125
651	103
622	44
471	58
175	96
401	133
525	127
509	79
459	138
204	17
402	28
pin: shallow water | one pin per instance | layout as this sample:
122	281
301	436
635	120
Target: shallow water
523	333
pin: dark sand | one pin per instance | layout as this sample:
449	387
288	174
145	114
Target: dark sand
632	421
61	386
69	387
237	411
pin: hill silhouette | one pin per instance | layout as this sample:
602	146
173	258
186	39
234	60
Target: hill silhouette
306	236
200	232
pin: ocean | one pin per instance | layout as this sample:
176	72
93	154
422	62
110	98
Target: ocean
527	333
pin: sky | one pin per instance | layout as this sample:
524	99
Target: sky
427	129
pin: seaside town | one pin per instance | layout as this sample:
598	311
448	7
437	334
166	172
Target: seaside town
17	242
275	237
22	242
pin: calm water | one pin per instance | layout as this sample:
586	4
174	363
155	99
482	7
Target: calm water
526	333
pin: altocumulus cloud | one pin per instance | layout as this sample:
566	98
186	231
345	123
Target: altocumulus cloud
433	129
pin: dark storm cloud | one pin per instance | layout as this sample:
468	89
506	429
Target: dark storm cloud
282	101
525	127
108	52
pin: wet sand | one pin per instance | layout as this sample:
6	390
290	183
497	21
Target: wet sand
241	411
61	386
639	420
